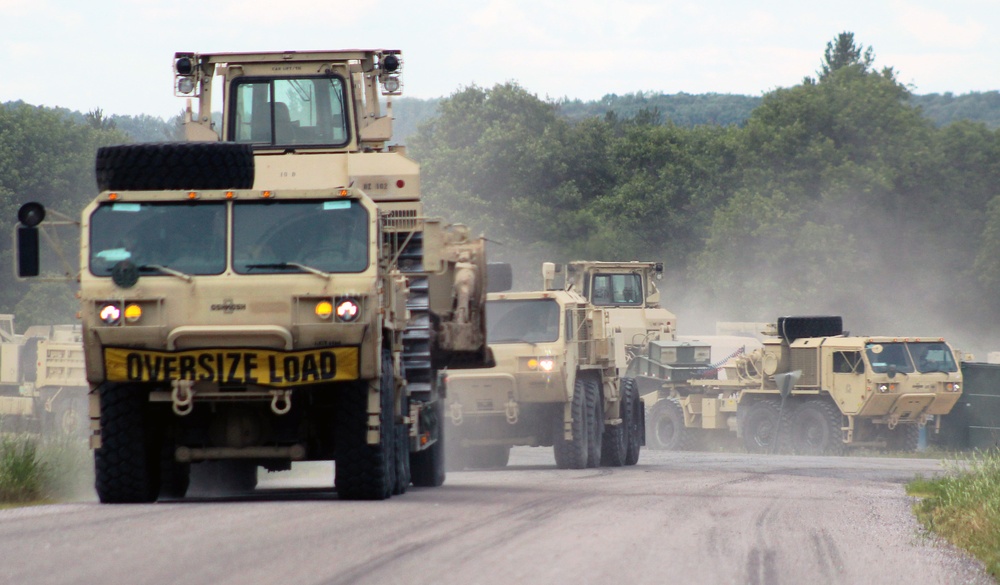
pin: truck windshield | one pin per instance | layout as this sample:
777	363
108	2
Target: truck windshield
185	237
908	357
289	111
932	357
294	236
522	321
617	289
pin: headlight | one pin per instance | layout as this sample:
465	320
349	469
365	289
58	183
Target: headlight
544	364
348	310
953	387
885	387
110	314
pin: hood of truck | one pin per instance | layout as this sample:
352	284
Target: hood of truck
276	312
513	378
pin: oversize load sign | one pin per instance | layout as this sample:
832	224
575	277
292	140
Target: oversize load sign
233	366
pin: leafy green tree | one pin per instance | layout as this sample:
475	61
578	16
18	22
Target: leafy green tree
842	52
48	157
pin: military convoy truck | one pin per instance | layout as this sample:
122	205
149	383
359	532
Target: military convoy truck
43	388
271	291
811	389
556	383
628	293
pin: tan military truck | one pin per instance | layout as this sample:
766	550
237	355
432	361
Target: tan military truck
556	383
272	291
628	293
43	388
814	389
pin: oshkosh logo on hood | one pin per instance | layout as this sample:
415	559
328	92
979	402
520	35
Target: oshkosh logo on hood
228	306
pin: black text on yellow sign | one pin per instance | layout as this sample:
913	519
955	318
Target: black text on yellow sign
233	366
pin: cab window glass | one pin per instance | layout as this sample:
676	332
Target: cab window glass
185	237
294	111
617	289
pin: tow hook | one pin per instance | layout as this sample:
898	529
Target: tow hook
513	410
455	412
182	395
281	401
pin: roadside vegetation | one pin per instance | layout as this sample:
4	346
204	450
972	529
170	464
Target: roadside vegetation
963	506
35	470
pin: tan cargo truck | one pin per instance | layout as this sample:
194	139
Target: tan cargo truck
43	389
271	291
556	383
810	389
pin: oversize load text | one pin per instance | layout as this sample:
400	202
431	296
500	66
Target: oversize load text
233	366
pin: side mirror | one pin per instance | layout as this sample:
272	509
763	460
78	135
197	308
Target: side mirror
27	252
29	215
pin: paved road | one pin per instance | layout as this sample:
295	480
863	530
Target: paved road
674	518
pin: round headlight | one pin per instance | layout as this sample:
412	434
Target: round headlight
547	364
133	313
110	314
883	387
391	84
184	66
324	309
185	85
348	310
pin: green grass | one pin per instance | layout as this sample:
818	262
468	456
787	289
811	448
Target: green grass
963	506
36	469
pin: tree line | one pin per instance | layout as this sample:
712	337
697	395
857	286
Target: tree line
835	196
839	195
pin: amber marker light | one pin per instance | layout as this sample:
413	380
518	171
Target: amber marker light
266	194
324	309
192	195
532	364
230	195
112	196
344	192
133	313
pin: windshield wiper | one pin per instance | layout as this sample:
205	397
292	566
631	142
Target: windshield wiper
181	275
282	265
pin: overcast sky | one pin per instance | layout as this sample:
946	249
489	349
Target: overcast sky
116	54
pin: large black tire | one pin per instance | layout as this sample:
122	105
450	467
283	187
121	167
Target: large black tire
402	456
427	466
70	416
759	426
632	420
905	437
614	445
363	471
175	165
815	429
127	464
572	454
665	426
595	418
